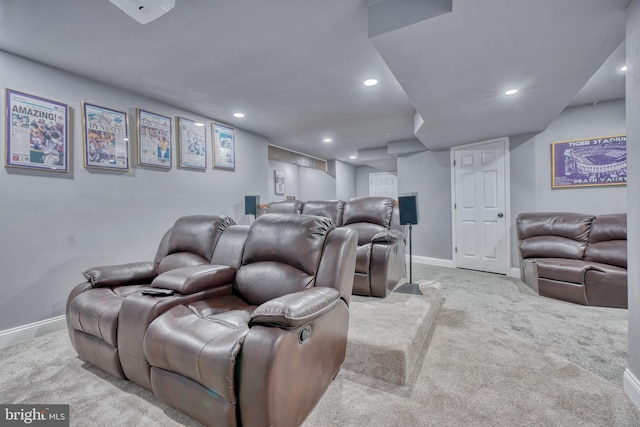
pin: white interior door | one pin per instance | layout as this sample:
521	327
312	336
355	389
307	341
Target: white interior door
480	214
383	185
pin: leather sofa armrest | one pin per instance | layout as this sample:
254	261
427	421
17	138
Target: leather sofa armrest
387	236
194	278
121	274
295	309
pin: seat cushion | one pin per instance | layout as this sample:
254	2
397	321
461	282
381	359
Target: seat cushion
95	311
563	270
201	348
217	305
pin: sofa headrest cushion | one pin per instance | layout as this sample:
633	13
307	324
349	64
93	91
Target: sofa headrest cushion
296	240
608	240
376	210
285	206
281	255
570	225
197	234
330	208
551	247
608	227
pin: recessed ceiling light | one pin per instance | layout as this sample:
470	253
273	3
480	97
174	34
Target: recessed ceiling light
198	124
623	68
353	157
511	92
370	82
238	115
327	140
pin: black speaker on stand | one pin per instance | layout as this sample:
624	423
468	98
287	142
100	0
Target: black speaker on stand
408	207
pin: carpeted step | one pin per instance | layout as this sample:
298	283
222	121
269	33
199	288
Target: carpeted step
388	336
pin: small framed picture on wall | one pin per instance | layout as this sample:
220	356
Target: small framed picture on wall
224	152
106	138
192	144
279	182
154	140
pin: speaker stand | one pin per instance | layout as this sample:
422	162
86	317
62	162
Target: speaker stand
410	288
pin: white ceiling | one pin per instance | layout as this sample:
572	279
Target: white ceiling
295	67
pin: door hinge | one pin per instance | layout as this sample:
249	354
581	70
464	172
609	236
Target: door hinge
454	162
456	249
455	206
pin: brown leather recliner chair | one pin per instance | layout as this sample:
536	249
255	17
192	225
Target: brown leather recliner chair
94	306
381	245
264	355
380	258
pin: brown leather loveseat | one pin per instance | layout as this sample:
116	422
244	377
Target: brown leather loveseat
380	260
575	257
251	333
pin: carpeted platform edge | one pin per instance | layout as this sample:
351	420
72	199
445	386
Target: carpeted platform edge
388	337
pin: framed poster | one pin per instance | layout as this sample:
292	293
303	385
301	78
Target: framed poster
279	182
224	155
154	140
106	140
192	144
589	162
37	132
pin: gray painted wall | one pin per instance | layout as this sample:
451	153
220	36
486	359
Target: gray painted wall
530	164
428	174
316	185
633	183
577	123
301	182
55	225
345	181
291	180
362	180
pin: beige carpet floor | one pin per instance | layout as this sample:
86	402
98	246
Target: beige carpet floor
474	373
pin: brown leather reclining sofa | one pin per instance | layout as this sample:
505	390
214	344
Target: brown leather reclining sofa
575	257
249	324
380	260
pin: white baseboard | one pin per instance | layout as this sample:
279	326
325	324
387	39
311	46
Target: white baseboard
631	386
32	330
448	263
437	262
514	272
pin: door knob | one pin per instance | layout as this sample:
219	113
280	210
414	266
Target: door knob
500	215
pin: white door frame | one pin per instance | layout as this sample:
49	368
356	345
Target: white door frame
507	189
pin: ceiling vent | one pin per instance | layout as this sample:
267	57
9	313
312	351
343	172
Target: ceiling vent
144	11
